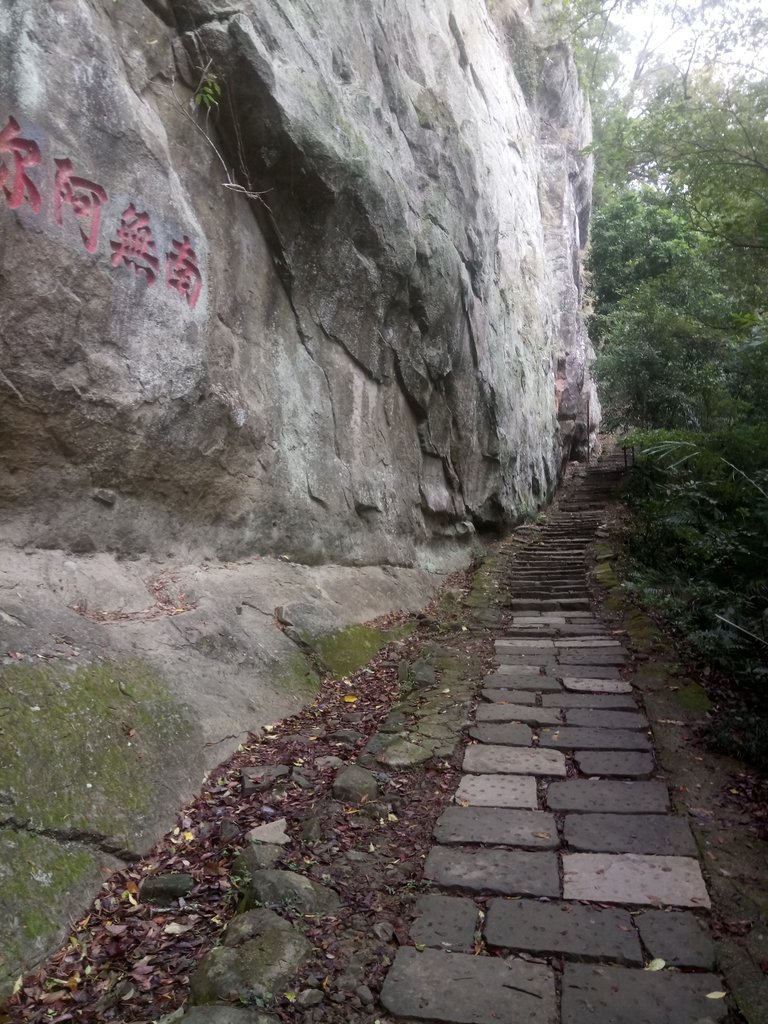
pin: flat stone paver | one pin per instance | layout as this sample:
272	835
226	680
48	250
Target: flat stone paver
468	989
495	694
518	670
587	641
524	644
593	678
663	834
618	764
593	656
514	712
497	791
533	683
633	878
595	684
555	929
531	830
600	701
566	737
510	734
501	712
447	922
621	995
486	759
507	872
595	718
676	936
608	796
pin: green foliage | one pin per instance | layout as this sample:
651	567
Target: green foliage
698	548
208	90
679	280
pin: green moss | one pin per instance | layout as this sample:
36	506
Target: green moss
81	746
41	882
606	576
296	675
348	649
693	698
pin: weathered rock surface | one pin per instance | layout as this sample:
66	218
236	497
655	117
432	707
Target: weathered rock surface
375	359
382	351
261	953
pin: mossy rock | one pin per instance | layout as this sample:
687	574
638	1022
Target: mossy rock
288	891
346	650
96	760
296	675
268	953
42	887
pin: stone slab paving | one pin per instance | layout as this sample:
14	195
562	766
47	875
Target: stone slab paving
448	922
546	852
499	711
620	995
676	936
516	712
497	791
593	656
608	796
572	738
663	834
556	929
527	830
593	674
524	644
633	878
532	682
595	718
506	872
600	701
614	764
487	759
596	684
432	985
510	696
510	734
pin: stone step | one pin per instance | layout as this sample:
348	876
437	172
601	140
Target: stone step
616	765
563	929
564	737
634	878
510	734
518	713
432	985
494	826
507	872
599	796
659	834
591	718
497	791
600	681
490	759
601	701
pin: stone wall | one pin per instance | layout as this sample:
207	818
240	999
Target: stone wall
376	354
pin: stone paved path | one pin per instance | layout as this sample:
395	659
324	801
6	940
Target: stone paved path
560	870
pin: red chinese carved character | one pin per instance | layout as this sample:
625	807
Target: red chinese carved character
134	245
85	197
25	154
181	271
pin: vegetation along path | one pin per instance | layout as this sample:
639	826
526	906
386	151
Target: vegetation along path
474	828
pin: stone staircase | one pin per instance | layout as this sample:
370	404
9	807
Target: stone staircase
565	888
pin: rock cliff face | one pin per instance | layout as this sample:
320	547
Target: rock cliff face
375	354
